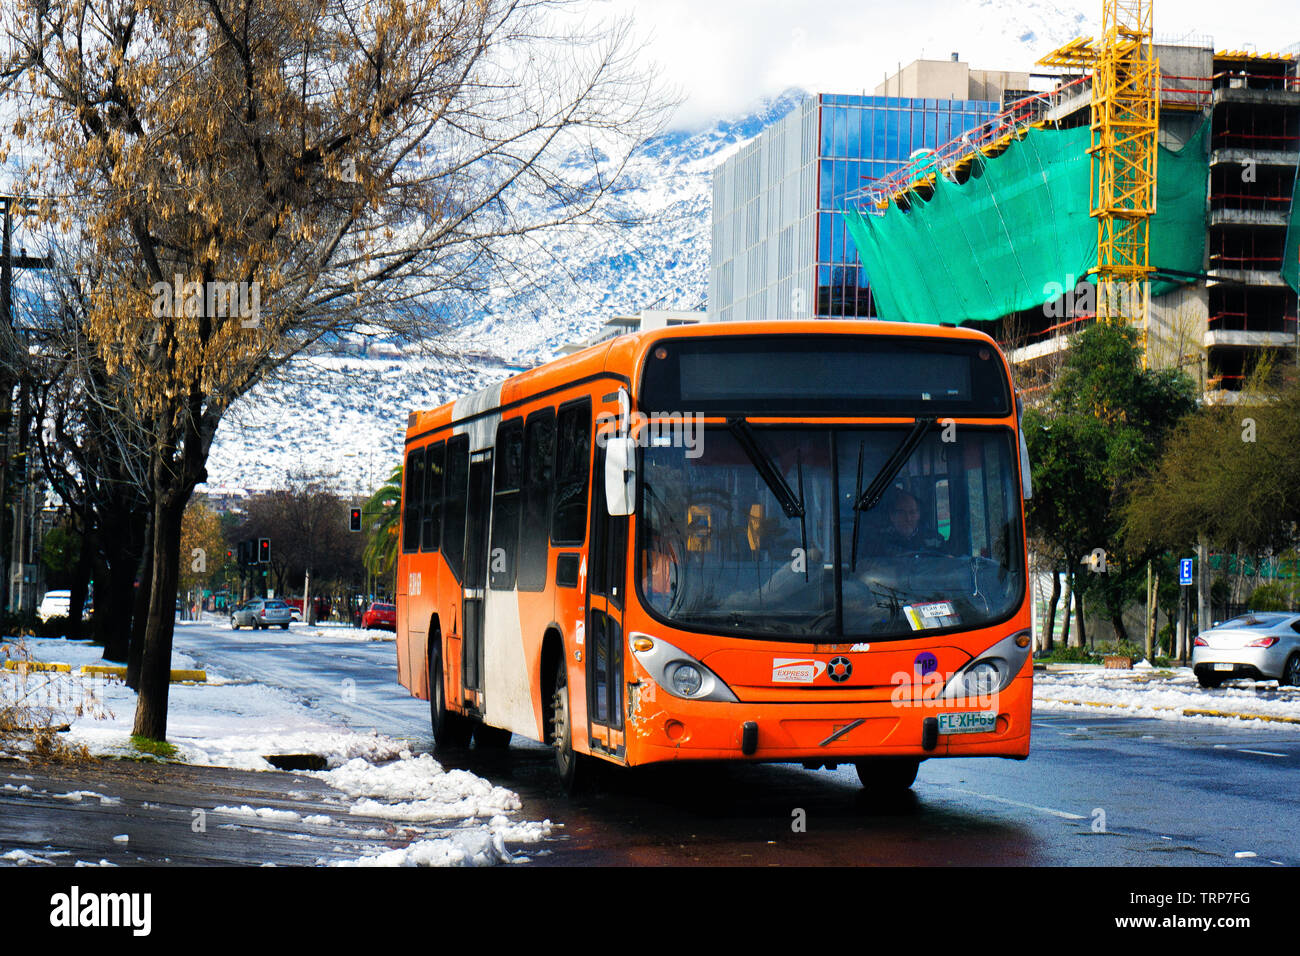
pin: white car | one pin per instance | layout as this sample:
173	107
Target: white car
55	604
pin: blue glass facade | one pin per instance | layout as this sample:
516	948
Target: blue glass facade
863	138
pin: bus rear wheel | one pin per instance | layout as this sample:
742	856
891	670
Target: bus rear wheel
450	729
568	764
886	775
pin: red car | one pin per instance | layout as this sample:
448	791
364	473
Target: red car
380	616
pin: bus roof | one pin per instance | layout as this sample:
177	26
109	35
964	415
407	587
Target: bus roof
618	359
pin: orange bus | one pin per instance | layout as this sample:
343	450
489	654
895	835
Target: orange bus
796	541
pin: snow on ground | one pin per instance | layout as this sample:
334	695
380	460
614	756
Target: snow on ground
419	790
1163	693
453	817
340	630
220	723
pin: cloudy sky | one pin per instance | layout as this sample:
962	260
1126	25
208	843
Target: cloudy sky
723	55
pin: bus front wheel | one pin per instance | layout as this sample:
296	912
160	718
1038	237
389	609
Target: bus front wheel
568	764
450	729
886	775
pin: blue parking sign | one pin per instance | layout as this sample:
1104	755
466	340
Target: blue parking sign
1185	571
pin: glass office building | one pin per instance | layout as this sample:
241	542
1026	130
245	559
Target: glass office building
780	249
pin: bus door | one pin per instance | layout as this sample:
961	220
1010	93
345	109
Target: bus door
473	607
606	582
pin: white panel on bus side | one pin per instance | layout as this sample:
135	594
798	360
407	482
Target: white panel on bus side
507	687
482	431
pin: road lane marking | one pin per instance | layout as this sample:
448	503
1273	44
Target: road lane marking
1262	753
1017	803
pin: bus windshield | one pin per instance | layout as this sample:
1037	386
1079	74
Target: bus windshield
720	550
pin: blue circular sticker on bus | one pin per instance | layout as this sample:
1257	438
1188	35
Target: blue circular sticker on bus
925	663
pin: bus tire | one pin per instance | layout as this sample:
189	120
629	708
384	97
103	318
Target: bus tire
450	729
885	775
491	738
568	763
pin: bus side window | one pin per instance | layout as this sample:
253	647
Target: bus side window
535	522
414	497
572	471
455	489
503	550
432	497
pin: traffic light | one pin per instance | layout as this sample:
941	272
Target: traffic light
354	519
263	550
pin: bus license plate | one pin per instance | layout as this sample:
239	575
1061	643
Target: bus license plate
970	723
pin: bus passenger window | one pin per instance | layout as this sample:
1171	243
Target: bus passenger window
503	550
534	525
414	478
456	487
572	468
433	497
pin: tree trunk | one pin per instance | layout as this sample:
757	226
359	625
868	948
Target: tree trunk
1051	611
80	586
140	609
1069	595
123	552
1148	633
156	662
1082	637
307	616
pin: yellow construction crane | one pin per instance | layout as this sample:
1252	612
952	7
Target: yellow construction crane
1125	127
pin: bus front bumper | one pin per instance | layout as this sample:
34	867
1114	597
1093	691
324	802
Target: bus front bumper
661	727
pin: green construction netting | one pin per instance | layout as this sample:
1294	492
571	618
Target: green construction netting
1018	231
1291	258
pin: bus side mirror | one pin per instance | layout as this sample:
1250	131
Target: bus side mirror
620	476
1026	481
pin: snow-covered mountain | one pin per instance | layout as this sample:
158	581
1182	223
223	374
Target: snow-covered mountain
345	416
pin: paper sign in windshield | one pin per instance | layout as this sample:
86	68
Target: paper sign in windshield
938	614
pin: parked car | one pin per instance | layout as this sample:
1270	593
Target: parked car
1259	645
260	613
380	616
55	604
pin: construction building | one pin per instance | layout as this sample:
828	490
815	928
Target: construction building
780	245
1152	184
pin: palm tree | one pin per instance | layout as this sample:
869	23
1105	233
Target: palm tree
384	516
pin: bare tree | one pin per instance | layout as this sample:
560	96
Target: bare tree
334	165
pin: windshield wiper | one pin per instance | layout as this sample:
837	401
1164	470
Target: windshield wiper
876	490
790	503
857	514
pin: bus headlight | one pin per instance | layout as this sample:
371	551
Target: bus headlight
686	680
993	671
676	671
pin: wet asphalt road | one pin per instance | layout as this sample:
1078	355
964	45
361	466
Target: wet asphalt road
1100	791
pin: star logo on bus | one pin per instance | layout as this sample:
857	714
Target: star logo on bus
840	668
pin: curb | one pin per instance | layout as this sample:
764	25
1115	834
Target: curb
1184	711
177	676
36	666
104	670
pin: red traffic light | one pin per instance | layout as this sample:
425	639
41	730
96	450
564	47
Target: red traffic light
354	519
263	550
